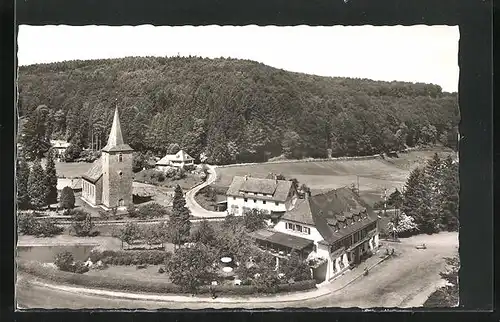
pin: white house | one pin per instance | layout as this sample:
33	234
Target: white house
269	195
179	160
334	228
59	147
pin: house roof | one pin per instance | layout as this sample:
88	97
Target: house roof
280	238
181	156
95	171
277	190
330	212
115	139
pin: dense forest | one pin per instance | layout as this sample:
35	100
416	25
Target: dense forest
229	110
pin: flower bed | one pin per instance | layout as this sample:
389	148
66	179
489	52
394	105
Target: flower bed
131	284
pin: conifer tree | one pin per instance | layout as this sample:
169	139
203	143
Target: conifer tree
433	178
67	198
416	201
179	220
51	179
449	196
22	177
37	189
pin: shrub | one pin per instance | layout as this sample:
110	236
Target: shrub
152	210
64	261
131	257
79	267
82	224
67	199
27	224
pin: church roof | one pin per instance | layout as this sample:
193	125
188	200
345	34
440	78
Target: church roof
95	171
115	139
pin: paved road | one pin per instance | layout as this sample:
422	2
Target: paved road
196	209
404	281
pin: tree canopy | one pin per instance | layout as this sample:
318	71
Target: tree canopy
229	110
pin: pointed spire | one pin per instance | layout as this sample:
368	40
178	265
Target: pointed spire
115	139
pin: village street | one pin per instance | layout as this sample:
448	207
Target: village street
194	207
403	281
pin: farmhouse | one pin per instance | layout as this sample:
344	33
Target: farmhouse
59	147
333	229
179	160
270	195
108	183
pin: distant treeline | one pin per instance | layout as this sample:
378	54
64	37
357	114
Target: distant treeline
230	110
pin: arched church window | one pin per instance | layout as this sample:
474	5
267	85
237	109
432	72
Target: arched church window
120	157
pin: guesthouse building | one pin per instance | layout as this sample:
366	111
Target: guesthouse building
272	196
332	230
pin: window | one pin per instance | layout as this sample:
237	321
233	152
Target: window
290	226
234	198
120	157
277	203
263	202
255	200
245	200
299	228
307	230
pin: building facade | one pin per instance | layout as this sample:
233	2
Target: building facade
59	147
269	195
335	230
108	183
178	160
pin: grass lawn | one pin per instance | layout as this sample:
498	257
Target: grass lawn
374	175
150	273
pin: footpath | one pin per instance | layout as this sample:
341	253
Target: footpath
323	289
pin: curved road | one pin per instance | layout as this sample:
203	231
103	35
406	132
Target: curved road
196	209
404	281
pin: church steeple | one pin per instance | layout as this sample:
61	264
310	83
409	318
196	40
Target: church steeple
115	139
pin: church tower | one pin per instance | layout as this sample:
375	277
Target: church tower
116	169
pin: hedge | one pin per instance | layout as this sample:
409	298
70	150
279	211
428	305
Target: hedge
133	285
131	257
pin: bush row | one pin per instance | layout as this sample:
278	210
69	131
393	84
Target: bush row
141	285
131	257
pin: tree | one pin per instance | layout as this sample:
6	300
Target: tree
205	234
34	138
191	267
179	219
291	145
295	268
67	199
254	219
82	223
37	190
447	296
173	148
416	202
72	152
395	199
129	233
449	196
22	177
402	225
51	179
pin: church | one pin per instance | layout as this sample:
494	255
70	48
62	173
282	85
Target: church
108	183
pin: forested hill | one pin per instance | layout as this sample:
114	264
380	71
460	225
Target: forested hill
231	109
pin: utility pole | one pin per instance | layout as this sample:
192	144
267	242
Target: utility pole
385	202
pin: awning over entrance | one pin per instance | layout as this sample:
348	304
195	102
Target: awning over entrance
279	238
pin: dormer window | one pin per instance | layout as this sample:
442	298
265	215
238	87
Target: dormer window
120	158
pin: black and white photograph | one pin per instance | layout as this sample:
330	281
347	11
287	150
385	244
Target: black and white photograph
237	167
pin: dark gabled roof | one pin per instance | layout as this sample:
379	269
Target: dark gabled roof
115	139
336	208
95	171
276	237
278	190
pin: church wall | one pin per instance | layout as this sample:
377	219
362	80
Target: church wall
117	179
